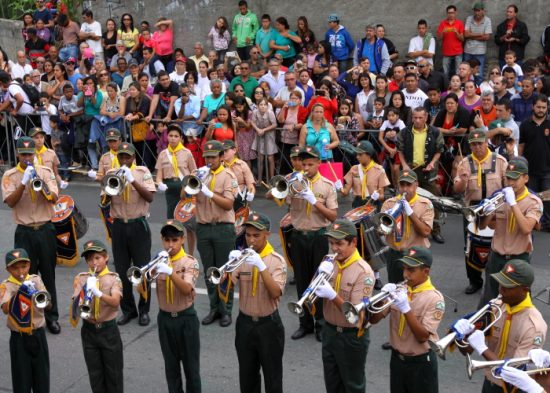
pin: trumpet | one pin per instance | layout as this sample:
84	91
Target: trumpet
309	297
113	184
495	366
485	208
385	221
86	307
136	275
40	299
214	274
37	184
191	184
440	347
281	187
352	311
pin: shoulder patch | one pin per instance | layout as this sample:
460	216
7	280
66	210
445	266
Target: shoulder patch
440	306
234	183
118	280
430	205
368	281
196	265
537	341
147	176
438	315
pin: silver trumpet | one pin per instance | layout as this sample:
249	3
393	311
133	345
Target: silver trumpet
283	187
191	184
352	311
309	297
485	208
214	274
113	184
40	299
137	274
279	187
495	365
491	308
86	307
37	184
385	221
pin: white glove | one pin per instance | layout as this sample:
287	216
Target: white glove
401	301
164	268
206	191
202	172
235	254
308	195
509	196
95	290
326	267
540	357
520	379
128	174
375	196
338	184
408	209
28	283
92	174
63	184
163	254
298	176
389	287
91	282
27	175
477	341
463	327
490	208
325	291
249	196
162	187
256	260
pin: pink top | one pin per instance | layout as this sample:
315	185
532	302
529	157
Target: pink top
163	42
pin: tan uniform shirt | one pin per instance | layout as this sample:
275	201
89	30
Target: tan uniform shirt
494	181
326	194
356	283
207	212
105	164
424	210
110	284
49	159
376	179
514	242
165	170
527	331
188	269
136	205
428	308
262	304
242	172
27	212
9	289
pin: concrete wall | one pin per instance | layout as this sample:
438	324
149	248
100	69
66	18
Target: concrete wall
10	37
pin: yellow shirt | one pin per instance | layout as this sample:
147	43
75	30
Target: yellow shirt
419	145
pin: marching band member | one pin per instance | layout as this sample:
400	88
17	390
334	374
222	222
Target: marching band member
311	211
260	334
520	328
478	176
344	345
44	156
242	172
414	318
108	160
216	226
513	223
523	381
100	335
32	212
30	361
131	235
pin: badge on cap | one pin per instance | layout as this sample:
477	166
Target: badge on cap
308	149
89	244
16	254
26	143
336	226
412	252
254	217
510	269
511	167
476	135
209	146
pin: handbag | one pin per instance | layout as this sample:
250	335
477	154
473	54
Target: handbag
139	130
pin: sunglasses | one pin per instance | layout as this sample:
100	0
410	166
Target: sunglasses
421	65
411	67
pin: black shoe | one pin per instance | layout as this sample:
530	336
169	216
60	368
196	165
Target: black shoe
292	281
378	284
125	318
225	320
144	319
319	335
301	333
53	327
211	317
386	346
438	238
472	288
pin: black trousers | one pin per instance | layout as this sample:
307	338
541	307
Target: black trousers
131	246
474	275
260	345
30	362
413	374
103	355
424	181
395	267
40	244
172	196
244	52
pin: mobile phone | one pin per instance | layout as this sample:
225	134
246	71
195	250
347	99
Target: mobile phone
218	125
477	112
319	92
87	91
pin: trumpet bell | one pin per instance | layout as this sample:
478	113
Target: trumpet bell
296	308
191	185
41	299
214	275
113	184
37	185
85	311
279	188
352	311
135	275
440	346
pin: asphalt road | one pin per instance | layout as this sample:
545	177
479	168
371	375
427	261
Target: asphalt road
303	371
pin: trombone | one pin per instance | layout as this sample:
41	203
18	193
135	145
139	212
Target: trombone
214	274
496	365
385	221
485	208
136	275
40	299
440	347
309	297
113	184
86	307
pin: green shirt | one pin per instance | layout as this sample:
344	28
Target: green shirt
283	41
245	26
249	85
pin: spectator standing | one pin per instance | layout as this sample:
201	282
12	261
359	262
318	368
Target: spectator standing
264	36
499	89
108	41
477	31
511	34
451	34
248	82
275	78
90	31
341	43
163	41
422	46
221	39
414	97
304	32
283	41
43	32
198	55
35	47
128	34
43	13
375	49
245	27
522	103
392	50
70	32
292	117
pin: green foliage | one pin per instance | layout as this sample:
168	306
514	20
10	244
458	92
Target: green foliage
15	9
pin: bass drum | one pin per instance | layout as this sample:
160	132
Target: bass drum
70	225
478	246
185	209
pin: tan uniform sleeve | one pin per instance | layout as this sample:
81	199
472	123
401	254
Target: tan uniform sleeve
229	186
433	314
248	176
191	164
383	180
5	294
428	215
363	288
9	185
49	178
148	182
191	271
279	273
349	176
116	288
332	198
534	210
532	337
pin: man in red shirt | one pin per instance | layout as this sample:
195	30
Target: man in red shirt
451	34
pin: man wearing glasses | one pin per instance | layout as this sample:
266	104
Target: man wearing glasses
283	96
257	64
432	77
249	82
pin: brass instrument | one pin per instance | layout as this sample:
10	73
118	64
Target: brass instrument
385	222
495	365
214	274
86	307
136	274
309	297
281	187
113	184
486	207
440	347
191	184
37	184
40	299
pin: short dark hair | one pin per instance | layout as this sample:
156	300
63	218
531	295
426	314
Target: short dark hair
450	7
243	2
4	77
283	21
506	103
411	74
540	98
148	49
68	86
515	7
508	70
380	100
422	22
162	73
266	17
88	13
419	109
434	88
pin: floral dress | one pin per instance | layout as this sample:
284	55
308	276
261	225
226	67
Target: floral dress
245	139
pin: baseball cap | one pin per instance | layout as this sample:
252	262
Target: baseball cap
259	221
133	62
228	144
477	135
25	145
212	149
178	226
93	245
478	6
411	62
514	274
516	168
295	151
365	147
341	228
71	60
16	255
309	152
408	176
113	134
36	130
333	18
417	256
181	59
127	148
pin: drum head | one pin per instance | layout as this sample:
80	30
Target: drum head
241	216
63	208
185	209
474	230
359	213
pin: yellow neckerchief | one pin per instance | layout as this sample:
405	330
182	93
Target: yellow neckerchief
425	286
96	299
126	195
407	220
510	311
364	179
169	284
342	266
39	153
172	153
479	164
230	164
114	159
313	181
511	215
213	180
31	191
268	249
15	281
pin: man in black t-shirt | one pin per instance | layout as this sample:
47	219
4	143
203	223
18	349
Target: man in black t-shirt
165	95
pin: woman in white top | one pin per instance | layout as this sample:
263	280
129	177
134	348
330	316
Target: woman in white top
363	96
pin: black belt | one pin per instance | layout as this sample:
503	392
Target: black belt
425	357
176	314
217	223
129	220
260	320
310	233
512	256
340	329
98	325
36	227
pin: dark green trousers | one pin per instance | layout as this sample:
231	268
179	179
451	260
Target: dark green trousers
180	343
215	242
103	355
172	195
413	374
40	244
30	362
260	344
489	387
344	359
395	267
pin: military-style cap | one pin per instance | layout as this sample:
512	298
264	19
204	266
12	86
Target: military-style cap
341	228
15	256
365	147
516	168
25	145
259	221
295	151
477	135
93	245
112	134
36	130
514	274
417	256
212	149
408	176
178	226
309	152
478	6
229	144
127	148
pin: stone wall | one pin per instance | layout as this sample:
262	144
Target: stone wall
10	37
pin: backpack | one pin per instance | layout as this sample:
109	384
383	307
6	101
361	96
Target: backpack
32	93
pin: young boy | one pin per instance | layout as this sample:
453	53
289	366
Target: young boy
70	113
61	148
30	362
377	117
46	110
510	60
100	335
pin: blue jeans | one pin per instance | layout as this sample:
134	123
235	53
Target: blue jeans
70	50
481	58
447	62
97	134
